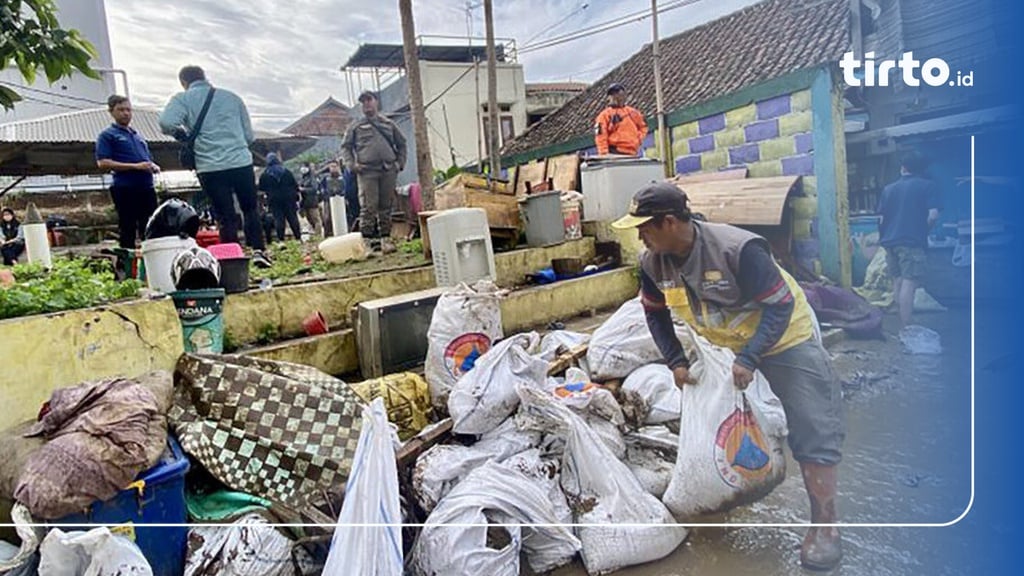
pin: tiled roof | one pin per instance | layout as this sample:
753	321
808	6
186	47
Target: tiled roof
748	47
79	126
328	119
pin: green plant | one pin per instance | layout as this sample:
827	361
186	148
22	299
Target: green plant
268	333
289	260
230	342
412	246
69	285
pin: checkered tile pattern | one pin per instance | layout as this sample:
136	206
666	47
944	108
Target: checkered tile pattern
281	431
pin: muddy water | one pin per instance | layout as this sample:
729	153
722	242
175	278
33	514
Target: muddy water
906	460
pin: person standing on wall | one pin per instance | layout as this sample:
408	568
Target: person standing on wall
374	148
909	207
120	149
619	129
223	161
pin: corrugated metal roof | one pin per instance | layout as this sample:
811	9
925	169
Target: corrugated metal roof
86	125
79	126
955	122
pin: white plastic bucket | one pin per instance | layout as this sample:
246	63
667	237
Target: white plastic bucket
159	254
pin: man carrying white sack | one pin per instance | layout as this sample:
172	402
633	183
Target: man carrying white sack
724	282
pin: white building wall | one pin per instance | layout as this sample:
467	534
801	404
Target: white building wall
456	111
76	92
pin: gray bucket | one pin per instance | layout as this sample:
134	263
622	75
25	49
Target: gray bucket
542	213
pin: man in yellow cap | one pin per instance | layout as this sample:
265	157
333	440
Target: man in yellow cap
724	282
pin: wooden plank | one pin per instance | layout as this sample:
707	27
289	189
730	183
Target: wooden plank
502	209
746	202
730	174
535	172
564	361
425	233
563	170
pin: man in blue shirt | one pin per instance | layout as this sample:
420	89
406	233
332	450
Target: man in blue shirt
223	160
122	150
909	208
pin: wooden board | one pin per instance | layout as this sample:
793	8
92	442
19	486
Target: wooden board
730	174
535	172
564	170
747	202
502	209
425	233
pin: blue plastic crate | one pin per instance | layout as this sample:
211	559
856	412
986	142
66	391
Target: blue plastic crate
156	497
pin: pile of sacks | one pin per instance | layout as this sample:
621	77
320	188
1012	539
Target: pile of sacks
597	473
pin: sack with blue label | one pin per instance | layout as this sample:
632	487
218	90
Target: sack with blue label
730	441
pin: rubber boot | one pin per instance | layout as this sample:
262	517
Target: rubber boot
822	548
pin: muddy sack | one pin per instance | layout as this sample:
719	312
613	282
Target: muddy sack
602	493
730	441
465	324
249	547
624	343
458	537
650	395
485	396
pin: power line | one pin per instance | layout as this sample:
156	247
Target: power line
556	24
49	103
604	27
48	93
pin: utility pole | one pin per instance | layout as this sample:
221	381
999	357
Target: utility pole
492	92
424	165
477	119
662	140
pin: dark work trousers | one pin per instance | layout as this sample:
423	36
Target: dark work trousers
12	251
223	186
285	210
134	205
375	192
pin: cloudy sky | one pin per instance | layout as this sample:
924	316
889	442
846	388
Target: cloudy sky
283	58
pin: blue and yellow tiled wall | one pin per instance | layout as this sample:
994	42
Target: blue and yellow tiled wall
771	137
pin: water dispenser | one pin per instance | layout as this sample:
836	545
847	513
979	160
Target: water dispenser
460	241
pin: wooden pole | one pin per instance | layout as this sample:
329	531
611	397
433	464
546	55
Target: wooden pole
662	139
424	163
494	155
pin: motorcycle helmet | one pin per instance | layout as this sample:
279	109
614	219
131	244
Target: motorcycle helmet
195	269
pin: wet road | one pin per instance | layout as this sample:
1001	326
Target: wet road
906	460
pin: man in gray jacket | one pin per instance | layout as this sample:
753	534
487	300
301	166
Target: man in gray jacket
223	160
374	148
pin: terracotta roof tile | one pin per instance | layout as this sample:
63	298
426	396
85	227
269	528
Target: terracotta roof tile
748	47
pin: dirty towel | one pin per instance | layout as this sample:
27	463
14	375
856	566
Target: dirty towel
406	397
279	431
100	436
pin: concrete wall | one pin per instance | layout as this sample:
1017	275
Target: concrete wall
42	353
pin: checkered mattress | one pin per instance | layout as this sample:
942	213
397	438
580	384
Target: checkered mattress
281	431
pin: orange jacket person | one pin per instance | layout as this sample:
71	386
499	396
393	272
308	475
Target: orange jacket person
619	129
